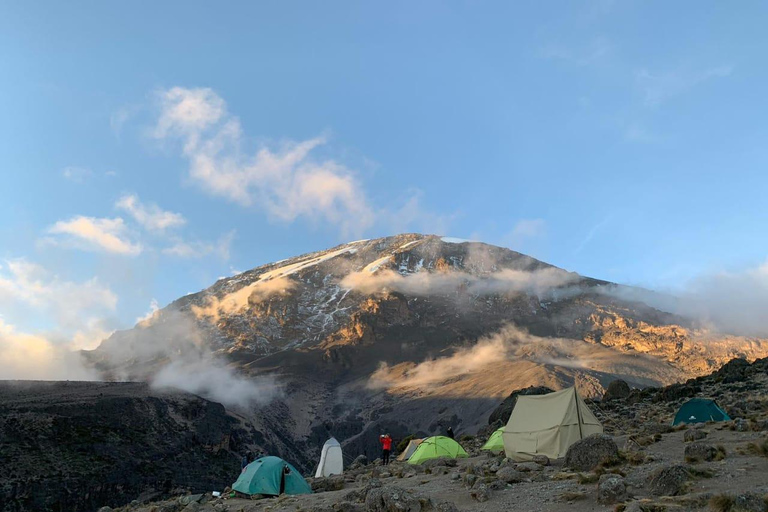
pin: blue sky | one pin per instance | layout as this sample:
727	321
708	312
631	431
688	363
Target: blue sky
149	148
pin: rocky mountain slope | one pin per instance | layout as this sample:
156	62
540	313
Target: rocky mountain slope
69	446
411	334
643	464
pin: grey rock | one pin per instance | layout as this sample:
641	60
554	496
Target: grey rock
510	475
741	425
392	499
526	467
446	506
669	480
326	484
470	479
541	460
346	506
611	489
694	434
586	454
697	452
617	389
750	502
480	493
105	509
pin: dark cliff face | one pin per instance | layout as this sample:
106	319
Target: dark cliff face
81	445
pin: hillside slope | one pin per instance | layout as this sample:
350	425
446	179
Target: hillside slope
413	333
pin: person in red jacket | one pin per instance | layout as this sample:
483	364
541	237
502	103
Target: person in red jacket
386	447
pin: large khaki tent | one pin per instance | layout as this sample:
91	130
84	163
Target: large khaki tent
548	425
412	445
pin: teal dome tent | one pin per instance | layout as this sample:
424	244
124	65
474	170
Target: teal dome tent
699	410
271	476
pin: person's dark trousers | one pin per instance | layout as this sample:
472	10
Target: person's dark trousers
385	456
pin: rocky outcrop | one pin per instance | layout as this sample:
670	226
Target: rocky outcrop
79	446
618	389
586	454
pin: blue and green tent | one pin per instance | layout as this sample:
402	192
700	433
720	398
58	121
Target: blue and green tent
699	410
271	476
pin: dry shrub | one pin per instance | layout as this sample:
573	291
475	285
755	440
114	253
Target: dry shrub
721	503
589	478
572	496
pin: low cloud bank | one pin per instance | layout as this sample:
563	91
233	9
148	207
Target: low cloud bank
240	299
725	302
171	351
537	282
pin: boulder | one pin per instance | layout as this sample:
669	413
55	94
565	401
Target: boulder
359	462
541	460
480	493
732	371
509	475
347	506
698	452
611	489
669	480
326	484
392	499
750	502
586	454
694	434
618	389
359	495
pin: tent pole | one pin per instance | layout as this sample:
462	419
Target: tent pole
578	411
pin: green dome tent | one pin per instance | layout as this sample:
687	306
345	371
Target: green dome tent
435	447
495	443
699	410
271	476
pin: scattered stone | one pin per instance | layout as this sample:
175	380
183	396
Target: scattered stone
191	498
470	479
750	502
741	425
527	467
611	489
616	390
541	460
480	493
105	509
669	480
586	454
455	476
694	434
392	499
510	475
359	462
446	506
326	484
697	452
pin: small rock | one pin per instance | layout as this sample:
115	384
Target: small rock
392	499
326	484
480	493
509	475
616	390
470	479
446	506
741	425
697	452
669	480
750	502
526	467
611	489
541	460
586	454
105	509
359	462
694	434
455	476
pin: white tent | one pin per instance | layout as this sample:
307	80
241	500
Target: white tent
412	445
548	425
331	460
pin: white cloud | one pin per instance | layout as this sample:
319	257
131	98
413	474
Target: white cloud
285	181
72	304
198	249
76	174
657	88
32	357
154	307
150	216
99	234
